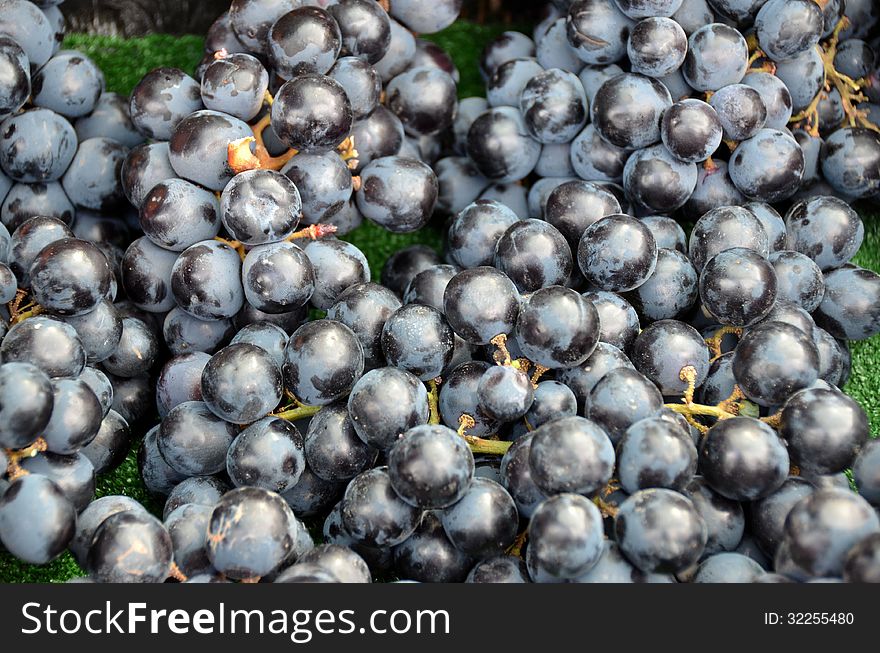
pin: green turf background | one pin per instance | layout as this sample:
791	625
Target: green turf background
124	62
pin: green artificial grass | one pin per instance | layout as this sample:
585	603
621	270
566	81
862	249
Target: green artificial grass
124	62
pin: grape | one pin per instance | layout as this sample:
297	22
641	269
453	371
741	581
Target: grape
613	567
862	563
660	531
866	472
339	561
229	395
70	84
743	459
511	195
767	515
791	313
277	277
89	520
206	281
740	109
36	145
305	40
469	109
365	27
691	130
373	514
506	85
161	100
826	229
249	533
483	522
506	47
424	100
775	96
361	83
176	214
849	307
714	190
47	343
505	393
717	56
627	110
193	440
565	537
664	349
184	333
333	449
458	396
25	201
822	527
428	286
312	495
598	31
824	429
110	446
322	361
768	166
725	228
424	17
312	113
533	254
404	204
260	206
186	527
235	84
25	403
157	475
500	146
16	82
74	475
268	454
556	327
554	106
594	158
252	19
24	23
786	28
804	76
145	166
774	360
728	568
851	161
655	453
130	546
287	321
723	517
834	358
617	253
575	205
499	569
198	147
670	291
135	352
460	183
571	454
554	50
364	308
553	400
621	398
656	46
654	178
738	286
481	303
198	490
418	339
323	183
399	54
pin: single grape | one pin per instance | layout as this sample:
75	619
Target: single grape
130	547
717	56
627	110
826	229
373	514
322	362
268	454
397	193
385	403
193	440
617	253
312	113
738	286
338	266
571	454
621	398
500	146
657	180
365	27
305	40
161	99
37	521
47	343
767	515
483	522
557	327
565	538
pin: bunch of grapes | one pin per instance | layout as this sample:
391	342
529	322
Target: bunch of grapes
575	391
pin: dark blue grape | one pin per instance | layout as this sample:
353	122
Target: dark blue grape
36	146
662	350
481	303
312	495
333	449
373	514
144	167
556	327
88	521
507	82
571	454
161	99
553	400
37	521
627	110
268	454
499	569
110	446
483	522
364	308
458	396
849	308
655	453
277	277
15	84
305	40
426	17
397	193
738	286
312	113
184	333
621	398
654	178
670	291
775	95
249	534
26	399
130	547
322	361
724	519
193	440
338	265
427	556
773	361
361	84
595	159
99	331
50	344
241	383
499	144
657	46
717	56
70	84
767	167
575	205
862	563
176	214
743	459
533	254
826	229
617	253
866	472
198	147
74	475
429	286
418	339
206	280
110	119
598	31
565	538
786	28
400	51
659	530
767	515
723	228
424	99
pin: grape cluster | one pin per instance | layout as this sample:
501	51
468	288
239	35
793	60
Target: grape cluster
576	391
